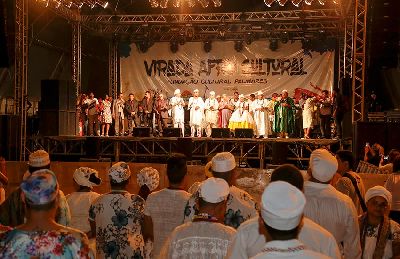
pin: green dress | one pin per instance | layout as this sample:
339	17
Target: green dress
284	116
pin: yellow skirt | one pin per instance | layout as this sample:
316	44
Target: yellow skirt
240	125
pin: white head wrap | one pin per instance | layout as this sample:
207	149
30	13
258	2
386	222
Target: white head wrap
285	91
259	93
378	191
82	175
221	162
196	90
39	158
119	172
282	205
323	165
212	93
214	190
150	177
241	96
177	91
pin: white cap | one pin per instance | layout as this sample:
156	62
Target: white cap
119	172
241	96
39	158
378	191
282	205
82	175
196	90
214	190
177	91
212	93
222	162
323	165
150	177
259	93
284	91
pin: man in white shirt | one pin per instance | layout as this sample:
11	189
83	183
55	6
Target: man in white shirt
196	107
211	114
282	206
205	237
330	208
261	116
119	115
178	114
249	241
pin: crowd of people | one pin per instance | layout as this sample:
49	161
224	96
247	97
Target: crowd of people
273	116
323	213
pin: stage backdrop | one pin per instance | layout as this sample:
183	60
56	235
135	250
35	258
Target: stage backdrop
225	70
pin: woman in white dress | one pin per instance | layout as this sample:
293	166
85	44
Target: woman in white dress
178	114
196	108
308	110
211	107
106	117
241	117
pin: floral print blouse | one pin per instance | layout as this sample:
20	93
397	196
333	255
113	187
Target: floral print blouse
65	243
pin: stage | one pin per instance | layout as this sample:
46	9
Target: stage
249	152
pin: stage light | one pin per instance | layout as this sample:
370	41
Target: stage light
207	46
105	5
273	44
282	2
204	3
336	1
176	3
308	2
174	47
191	3
269	2
285	37
321	2
154	3
238	46
217	3
296	2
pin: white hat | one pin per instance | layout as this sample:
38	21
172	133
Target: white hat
177	91
150	177
196	90
284	91
119	172
241	96
222	162
378	191
212	93
39	158
323	165
82	175
214	190
282	205
259	93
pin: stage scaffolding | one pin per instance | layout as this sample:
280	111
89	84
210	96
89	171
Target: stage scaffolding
348	26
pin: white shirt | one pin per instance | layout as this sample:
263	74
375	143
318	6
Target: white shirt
79	204
393	186
288	249
345	186
335	212
165	209
249	242
202	240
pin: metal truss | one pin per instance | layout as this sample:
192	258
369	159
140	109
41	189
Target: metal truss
21	71
113	65
359	60
346	50
70	14
77	56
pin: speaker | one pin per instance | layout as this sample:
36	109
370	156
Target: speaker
244	133
9	140
141	132
171	132
220	133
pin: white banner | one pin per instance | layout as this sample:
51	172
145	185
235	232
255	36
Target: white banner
224	70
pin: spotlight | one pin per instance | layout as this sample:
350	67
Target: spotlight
269	2
238	46
217	3
105	5
273	44
163	3
174	47
207	46
306	44
282	2
308	2
204	3
249	38
321	2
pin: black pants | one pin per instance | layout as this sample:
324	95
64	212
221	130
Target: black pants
339	126
325	126
93	123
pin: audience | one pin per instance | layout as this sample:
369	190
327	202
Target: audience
3	179
373	154
388	167
282	206
40	236
148	180
12	210
350	182
248	241
163	209
241	205
380	236
206	236
393	186
330	208
116	218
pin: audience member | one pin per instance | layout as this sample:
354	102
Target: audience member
40	236
163	209
282	206
79	201
148	180
388	167
12	210
116	218
350	183
248	241
205	237
3	179
241	205
380	236
393	186
373	154
330	208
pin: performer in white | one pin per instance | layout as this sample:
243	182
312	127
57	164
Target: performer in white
211	107
178	114
241	117
261	116
308	110
196	107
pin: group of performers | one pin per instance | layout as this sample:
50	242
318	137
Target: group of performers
274	116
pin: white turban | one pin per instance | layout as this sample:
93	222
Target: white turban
150	177
323	165
259	93
282	205
220	163
241	96
119	172
39	158
82	175
378	191
214	190
212	93
177	91
284	91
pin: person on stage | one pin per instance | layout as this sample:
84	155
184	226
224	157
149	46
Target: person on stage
131	107
211	106
284	116
147	105
107	116
226	108
118	115
308	111
325	114
241	117
196	107
178	114
92	114
162	112
261	116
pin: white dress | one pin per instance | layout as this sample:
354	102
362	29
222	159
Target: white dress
261	118
196	116
79	204
178	114
211	115
308	110
241	117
